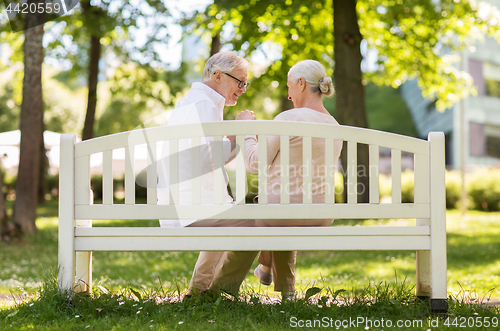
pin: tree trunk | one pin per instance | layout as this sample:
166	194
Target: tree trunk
95	55
350	96
215	45
92	15
25	205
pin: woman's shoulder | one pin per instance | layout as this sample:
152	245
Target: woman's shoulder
290	114
305	115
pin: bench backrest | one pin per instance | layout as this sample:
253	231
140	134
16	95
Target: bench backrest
75	189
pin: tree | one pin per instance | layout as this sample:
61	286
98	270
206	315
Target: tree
93	17
105	27
349	87
25	205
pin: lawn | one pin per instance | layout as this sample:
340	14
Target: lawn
137	281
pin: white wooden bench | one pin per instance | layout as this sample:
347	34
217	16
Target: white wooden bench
77	237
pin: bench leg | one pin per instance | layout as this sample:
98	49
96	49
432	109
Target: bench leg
66	275
83	265
423	285
83	272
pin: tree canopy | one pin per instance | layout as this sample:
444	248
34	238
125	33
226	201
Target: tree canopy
414	39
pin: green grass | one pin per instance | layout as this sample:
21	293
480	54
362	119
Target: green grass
385	278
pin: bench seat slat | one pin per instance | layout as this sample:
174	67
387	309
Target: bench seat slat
339	211
277	243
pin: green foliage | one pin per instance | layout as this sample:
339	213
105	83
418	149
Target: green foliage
9	111
414	40
483	189
453	188
407	186
453	184
137	93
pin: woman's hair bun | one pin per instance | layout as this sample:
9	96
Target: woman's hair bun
326	86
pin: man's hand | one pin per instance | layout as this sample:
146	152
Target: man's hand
245	115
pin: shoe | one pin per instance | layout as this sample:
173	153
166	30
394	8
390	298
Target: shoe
264	278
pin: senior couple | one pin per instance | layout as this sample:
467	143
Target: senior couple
225	80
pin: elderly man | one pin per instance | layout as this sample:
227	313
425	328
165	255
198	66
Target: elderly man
225	76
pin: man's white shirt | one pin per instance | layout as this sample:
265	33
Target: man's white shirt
202	104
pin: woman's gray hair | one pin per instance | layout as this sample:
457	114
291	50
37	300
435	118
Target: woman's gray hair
225	62
315	75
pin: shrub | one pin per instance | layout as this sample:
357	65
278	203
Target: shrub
483	189
385	187
407	186
453	182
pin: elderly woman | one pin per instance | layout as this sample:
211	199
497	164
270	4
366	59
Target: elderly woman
307	84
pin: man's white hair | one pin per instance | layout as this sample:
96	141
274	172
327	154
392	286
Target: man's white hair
225	62
315	75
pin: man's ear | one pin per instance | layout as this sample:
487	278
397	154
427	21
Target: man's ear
218	76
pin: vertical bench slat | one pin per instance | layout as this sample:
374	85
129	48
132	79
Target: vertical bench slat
107	177
195	171
307	164
130	175
173	170
82	181
329	171
241	174
262	169
219	168
374	174
152	174
421	175
352	172
285	169
396	175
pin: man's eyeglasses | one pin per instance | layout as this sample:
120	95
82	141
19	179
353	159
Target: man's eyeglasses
241	83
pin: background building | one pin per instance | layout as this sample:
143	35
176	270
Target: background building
476	118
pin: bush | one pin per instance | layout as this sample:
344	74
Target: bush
9	183
407	186
483	189
453	184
